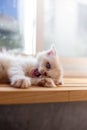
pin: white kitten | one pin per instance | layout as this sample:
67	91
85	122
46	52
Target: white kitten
25	71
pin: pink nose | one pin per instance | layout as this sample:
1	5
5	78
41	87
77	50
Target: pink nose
43	72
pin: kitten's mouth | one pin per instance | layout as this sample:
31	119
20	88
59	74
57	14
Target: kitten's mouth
35	73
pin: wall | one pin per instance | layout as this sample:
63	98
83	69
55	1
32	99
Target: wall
57	116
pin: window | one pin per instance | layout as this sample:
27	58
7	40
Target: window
18	25
65	24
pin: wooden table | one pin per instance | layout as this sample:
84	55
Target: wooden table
74	89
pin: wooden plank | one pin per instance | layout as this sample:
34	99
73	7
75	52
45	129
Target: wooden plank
75	80
78	95
74	89
10	95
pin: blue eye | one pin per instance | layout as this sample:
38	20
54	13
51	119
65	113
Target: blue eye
48	66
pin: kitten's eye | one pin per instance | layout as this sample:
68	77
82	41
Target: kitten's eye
48	66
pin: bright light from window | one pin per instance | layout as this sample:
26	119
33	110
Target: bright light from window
28	13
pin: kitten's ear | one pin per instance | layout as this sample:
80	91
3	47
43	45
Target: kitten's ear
52	51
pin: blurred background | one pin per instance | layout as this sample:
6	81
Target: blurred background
61	22
10	35
18	25
65	25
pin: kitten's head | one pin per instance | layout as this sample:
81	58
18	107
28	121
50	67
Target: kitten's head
49	65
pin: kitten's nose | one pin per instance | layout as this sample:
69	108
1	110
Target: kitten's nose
43	72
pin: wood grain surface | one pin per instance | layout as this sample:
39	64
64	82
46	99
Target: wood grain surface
74	89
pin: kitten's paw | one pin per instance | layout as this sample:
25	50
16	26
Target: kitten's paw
21	82
61	82
47	82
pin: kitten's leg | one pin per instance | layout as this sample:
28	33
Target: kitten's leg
60	78
1	68
49	83
60	82
17	77
44	82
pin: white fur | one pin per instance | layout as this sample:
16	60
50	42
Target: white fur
17	69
